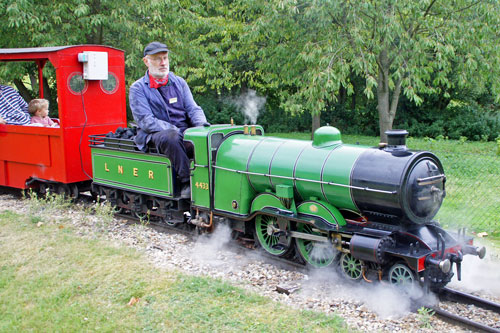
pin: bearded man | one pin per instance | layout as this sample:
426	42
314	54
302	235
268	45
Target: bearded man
163	108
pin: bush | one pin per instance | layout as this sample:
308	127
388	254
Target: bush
454	122
219	110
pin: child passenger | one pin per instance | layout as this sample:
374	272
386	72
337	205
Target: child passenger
39	110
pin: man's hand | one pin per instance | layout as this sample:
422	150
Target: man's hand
3	121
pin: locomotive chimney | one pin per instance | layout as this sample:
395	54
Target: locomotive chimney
396	140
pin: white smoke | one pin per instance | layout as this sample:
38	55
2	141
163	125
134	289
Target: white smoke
479	275
385	300
207	248
250	105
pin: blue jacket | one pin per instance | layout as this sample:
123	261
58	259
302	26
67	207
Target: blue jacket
151	112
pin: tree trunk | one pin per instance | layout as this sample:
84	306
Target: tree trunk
23	91
316	123
353	102
46	90
384	121
353	97
342	95
386	107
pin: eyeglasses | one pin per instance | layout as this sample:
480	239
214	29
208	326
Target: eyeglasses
158	59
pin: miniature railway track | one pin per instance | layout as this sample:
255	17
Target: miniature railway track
453	318
461	297
456	296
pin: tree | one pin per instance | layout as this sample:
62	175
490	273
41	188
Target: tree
203	37
67	22
408	47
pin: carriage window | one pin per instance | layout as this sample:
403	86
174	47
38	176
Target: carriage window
110	86
76	83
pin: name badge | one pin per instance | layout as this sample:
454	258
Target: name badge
173	100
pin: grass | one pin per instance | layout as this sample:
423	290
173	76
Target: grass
53	280
473	179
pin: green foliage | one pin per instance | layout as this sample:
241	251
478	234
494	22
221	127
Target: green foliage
454	122
498	145
42	207
424	316
305	57
411	45
28	23
104	213
219	110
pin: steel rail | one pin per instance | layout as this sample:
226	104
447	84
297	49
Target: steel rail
461	297
453	318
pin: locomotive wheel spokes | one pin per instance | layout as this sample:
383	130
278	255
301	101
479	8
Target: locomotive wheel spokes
265	227
351	267
316	254
401	275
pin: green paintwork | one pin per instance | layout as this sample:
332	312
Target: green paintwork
266	162
309	167
200	195
339	166
263	230
266	200
284	191
230	186
284	161
205	141
350	266
323	210
401	276
326	136
316	254
261	160
135	171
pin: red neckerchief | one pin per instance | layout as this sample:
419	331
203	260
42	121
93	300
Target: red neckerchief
157	83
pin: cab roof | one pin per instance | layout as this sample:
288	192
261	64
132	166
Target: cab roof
33	53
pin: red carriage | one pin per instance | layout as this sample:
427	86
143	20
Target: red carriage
88	103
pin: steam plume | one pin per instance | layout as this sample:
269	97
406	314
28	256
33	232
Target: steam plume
250	105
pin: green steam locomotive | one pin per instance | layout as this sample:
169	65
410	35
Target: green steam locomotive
367	210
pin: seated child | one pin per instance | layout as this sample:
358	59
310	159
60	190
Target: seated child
39	110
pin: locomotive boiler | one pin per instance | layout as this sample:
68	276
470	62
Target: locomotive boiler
391	185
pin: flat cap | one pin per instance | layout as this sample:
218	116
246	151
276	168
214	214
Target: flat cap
155	47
